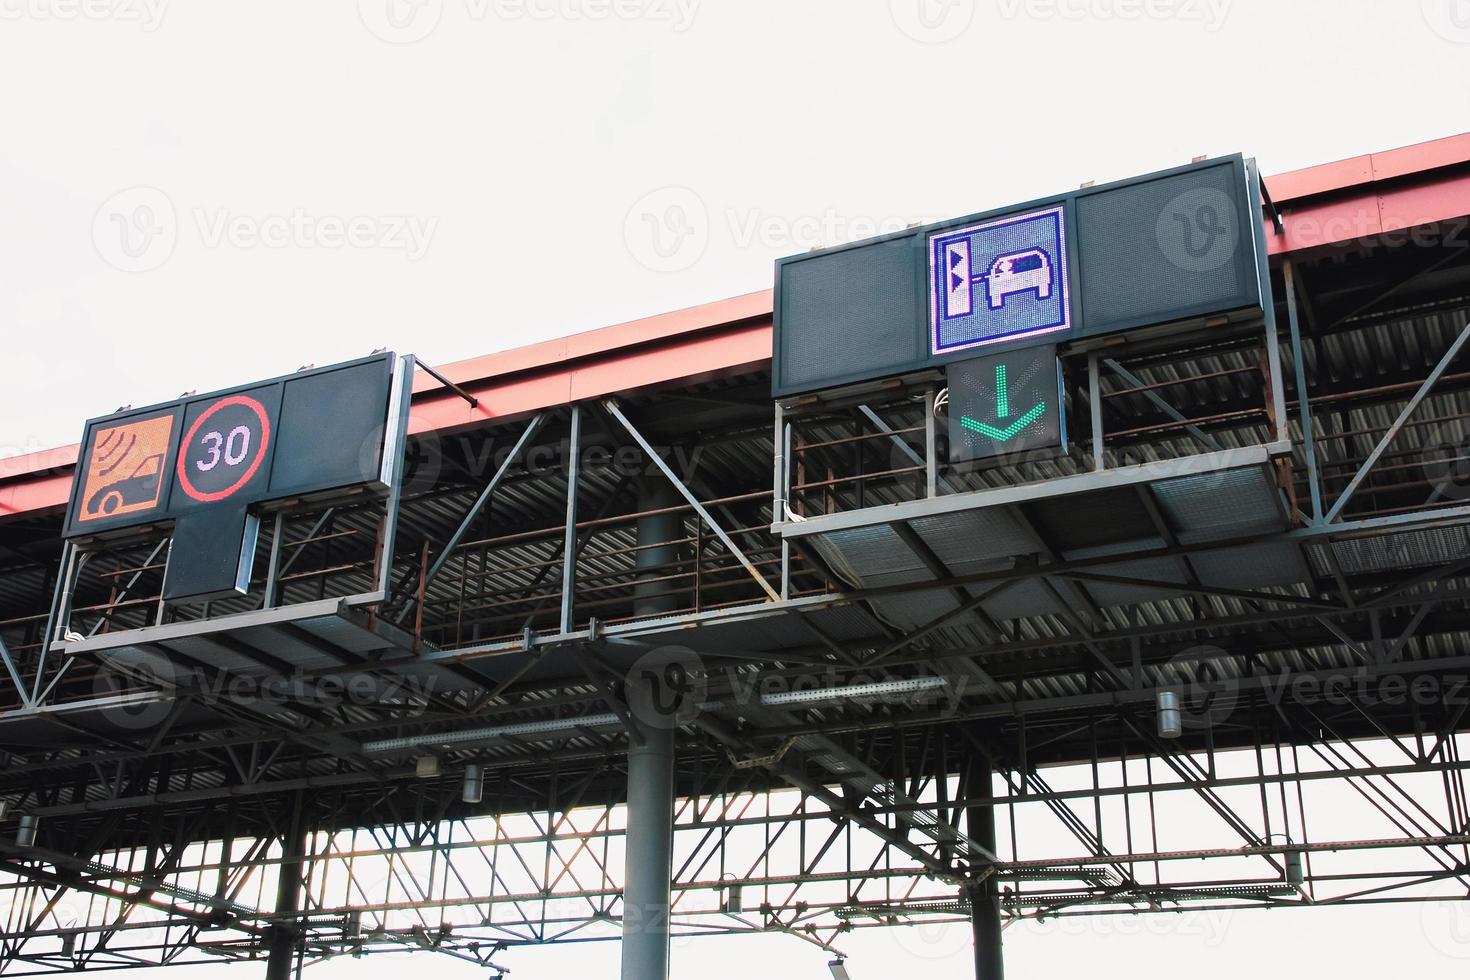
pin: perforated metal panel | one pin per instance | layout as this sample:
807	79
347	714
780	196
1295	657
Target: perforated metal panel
966	540
1409	549
862	554
1224	504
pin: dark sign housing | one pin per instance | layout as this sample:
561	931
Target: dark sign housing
206	461
1171	247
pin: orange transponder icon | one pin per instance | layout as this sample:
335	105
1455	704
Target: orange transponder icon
125	471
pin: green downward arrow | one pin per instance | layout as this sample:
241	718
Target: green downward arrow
1002	409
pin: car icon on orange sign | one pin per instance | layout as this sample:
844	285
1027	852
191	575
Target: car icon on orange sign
125	470
139	487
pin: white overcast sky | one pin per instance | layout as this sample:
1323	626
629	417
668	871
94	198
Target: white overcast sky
304	181
197	194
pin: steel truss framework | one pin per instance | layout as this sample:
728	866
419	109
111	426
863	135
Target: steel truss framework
755	859
193	784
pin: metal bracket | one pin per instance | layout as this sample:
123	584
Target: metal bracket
474	402
1276	223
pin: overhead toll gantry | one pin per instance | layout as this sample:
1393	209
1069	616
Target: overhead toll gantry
802	612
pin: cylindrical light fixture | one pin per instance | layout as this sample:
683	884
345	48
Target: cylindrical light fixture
734	902
1171	721
25	831
1294	874
474	784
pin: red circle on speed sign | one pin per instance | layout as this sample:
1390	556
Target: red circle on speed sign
218	449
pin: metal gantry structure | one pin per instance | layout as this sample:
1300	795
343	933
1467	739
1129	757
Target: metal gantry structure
667	659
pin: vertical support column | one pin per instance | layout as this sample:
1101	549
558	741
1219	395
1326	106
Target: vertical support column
273	570
57	618
1272	339
395	453
1094	408
984	895
781	442
650	857
649	853
1303	398
931	445
284	936
569	544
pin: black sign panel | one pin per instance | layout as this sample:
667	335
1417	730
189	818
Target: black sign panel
1005	403
212	555
1166	248
332	429
207	462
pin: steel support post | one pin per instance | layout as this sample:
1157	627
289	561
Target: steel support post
569	541
1094	408
931	445
273	570
984	891
285	936
1304	402
56	618
649	852
780	511
395	450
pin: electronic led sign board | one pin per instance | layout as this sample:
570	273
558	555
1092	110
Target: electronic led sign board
1175	247
207	463
1005	403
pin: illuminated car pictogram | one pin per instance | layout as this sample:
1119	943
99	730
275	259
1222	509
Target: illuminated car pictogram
138	487
1020	272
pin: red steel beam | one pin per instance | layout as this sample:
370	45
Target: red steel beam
1365	198
1372	197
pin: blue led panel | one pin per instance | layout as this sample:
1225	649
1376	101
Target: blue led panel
998	280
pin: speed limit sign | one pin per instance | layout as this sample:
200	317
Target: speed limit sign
224	448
